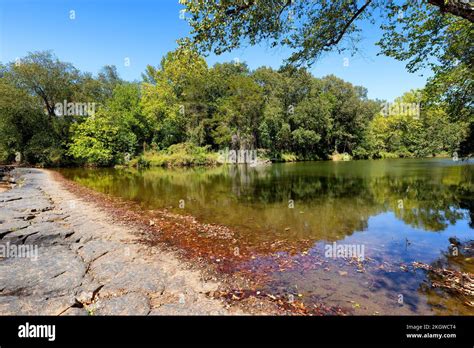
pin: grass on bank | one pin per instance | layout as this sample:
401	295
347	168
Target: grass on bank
289	157
187	155
178	155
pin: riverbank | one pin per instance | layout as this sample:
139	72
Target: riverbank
63	255
209	248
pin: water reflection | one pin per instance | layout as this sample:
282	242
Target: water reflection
322	200
401	210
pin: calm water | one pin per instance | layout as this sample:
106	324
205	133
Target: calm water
400	211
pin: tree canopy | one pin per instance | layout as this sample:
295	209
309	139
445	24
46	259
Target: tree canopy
434	33
288	113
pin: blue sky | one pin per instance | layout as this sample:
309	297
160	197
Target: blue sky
110	31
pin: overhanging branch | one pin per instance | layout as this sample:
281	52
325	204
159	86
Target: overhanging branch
455	7
346	26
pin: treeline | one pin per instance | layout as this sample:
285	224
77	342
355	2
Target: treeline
53	114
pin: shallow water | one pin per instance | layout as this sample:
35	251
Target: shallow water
394	211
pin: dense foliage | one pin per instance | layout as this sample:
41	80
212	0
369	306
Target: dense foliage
288	112
434	33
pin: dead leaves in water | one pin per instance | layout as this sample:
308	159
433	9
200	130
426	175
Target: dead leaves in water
461	283
286	303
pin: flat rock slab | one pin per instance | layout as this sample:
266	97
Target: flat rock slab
10	214
94	249
184	309
53	271
41	234
73	311
34	305
119	270
78	262
10	226
132	303
29	204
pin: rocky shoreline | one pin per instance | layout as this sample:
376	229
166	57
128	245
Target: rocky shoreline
61	255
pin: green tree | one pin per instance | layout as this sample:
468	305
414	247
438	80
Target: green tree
43	75
165	90
238	115
114	131
22	124
308	28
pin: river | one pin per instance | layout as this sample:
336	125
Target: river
387	213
